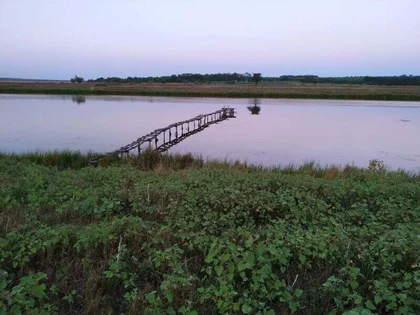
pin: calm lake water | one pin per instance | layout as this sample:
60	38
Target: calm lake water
285	131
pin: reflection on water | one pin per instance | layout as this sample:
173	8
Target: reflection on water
289	131
255	108
78	99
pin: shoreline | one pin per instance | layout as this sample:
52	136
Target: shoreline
152	160
238	91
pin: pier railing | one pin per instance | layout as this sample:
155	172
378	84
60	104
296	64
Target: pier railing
164	138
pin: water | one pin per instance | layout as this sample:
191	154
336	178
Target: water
285	131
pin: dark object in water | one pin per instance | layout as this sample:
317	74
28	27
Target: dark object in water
78	99
255	110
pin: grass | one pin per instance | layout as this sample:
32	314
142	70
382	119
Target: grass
58	159
153	161
175	234
265	90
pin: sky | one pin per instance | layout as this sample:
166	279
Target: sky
47	39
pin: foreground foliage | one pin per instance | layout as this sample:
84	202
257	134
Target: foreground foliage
175	235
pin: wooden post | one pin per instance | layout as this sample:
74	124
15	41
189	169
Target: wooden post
156	141
138	148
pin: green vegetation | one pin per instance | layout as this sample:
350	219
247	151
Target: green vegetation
368	80
81	90
257	78
402	88
77	79
163	234
58	159
237	77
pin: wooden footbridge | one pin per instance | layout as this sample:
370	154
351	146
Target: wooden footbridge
164	138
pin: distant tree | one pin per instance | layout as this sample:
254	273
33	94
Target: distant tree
257	78
77	79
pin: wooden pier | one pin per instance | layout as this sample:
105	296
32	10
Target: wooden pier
164	138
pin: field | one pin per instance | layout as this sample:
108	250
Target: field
164	234
264	90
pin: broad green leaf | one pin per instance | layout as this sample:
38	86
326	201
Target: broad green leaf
302	259
298	292
150	297
38	291
246	309
370	305
378	299
354	284
292	306
169	296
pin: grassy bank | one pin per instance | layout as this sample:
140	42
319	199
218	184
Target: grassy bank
267	90
166	234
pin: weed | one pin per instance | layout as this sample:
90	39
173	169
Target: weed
175	234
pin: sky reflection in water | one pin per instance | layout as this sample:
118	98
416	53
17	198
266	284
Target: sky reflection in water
283	132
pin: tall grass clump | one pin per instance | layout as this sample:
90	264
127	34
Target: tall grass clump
152	160
60	159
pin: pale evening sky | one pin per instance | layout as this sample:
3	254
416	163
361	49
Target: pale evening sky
48	39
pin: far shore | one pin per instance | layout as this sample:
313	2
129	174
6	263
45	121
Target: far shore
239	90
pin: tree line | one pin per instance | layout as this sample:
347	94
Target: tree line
182	78
368	80
232	78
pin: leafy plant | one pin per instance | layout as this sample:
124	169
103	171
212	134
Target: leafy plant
175	234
